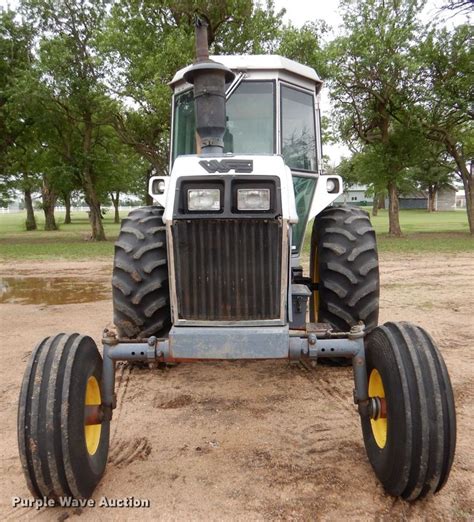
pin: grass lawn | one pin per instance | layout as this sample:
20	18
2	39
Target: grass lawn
423	232
69	242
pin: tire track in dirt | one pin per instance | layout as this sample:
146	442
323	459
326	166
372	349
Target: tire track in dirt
123	372
319	436
126	452
19	513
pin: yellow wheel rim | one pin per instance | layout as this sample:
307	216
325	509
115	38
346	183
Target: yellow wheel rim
93	431
379	426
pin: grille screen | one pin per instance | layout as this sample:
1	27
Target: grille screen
228	269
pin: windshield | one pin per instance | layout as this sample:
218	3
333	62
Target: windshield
250	120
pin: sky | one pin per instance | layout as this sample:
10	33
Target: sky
301	11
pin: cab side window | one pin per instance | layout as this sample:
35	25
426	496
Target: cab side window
298	145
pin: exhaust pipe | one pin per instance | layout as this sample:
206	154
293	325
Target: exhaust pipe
209	79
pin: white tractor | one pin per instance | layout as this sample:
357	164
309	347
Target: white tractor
213	272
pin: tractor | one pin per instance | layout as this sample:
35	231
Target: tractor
212	271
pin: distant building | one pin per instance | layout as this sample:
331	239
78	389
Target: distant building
448	198
445	200
15	206
460	199
355	195
418	199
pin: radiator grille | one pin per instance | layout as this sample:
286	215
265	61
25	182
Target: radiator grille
228	269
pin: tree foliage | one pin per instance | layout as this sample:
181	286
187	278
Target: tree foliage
373	70
445	95
397	82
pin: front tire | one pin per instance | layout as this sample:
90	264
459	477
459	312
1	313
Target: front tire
60	455
411	450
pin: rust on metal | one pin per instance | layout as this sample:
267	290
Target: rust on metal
318	327
202	49
93	414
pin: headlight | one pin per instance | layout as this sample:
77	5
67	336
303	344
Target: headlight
205	199
332	186
253	199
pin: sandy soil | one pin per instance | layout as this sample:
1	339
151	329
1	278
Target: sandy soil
247	441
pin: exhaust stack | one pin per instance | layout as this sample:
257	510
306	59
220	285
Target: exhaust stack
209	79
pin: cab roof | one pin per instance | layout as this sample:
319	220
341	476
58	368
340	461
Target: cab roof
262	62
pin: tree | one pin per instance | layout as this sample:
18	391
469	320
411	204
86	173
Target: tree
432	171
445	93
16	41
121	170
72	69
304	45
372	72
366	167
41	143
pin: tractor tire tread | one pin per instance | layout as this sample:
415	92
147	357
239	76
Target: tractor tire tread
50	427
344	244
140	276
421	429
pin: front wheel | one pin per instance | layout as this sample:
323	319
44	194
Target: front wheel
411	436
62	453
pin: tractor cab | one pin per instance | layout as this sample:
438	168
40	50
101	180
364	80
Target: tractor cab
272	107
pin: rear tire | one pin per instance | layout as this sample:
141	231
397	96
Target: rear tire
61	456
344	265
140	276
412	449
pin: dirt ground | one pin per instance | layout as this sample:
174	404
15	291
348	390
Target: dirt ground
240	441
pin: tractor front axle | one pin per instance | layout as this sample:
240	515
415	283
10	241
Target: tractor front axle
194	344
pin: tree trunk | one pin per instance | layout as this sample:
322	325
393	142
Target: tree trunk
393	211
30	213
468	183
375	205
148	175
115	202
381	201
95	218
467	177
470	207
67	204
49	200
432	191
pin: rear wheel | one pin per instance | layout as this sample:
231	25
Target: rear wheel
344	269
411	442
140	276
62	454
